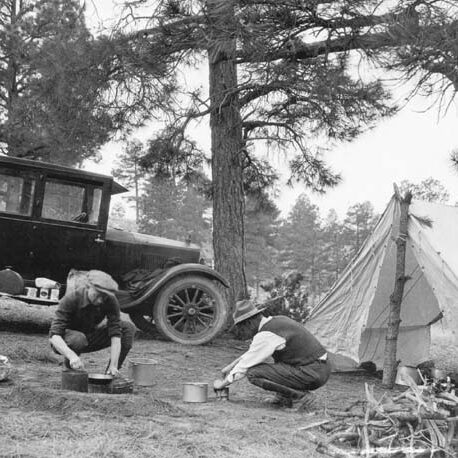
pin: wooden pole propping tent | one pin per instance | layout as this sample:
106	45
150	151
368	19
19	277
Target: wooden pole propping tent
394	318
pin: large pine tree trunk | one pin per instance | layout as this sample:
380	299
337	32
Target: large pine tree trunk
394	318
226	146
12	86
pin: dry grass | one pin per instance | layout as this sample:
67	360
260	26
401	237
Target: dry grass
42	436
53	400
40	420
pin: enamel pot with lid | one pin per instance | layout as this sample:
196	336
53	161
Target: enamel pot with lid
195	392
142	371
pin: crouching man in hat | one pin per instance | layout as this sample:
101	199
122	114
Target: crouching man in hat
79	327
300	361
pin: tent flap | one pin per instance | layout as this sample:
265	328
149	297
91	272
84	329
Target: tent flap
351	321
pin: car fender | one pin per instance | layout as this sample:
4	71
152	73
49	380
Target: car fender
168	275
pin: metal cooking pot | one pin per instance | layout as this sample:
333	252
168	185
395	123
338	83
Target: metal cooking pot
99	383
408	371
100	379
142	372
195	392
438	374
74	380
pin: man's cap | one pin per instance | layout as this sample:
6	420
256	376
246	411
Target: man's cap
102	282
245	309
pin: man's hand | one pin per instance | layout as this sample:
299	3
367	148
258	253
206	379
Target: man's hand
112	370
76	363
219	384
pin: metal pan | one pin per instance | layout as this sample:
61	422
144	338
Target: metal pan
100	379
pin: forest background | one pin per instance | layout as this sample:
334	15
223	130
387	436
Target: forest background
65	92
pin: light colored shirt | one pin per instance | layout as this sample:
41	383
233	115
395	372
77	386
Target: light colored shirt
262	347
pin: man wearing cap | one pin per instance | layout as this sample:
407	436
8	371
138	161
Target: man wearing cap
300	361
79	327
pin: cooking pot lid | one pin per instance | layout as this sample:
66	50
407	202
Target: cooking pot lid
100	378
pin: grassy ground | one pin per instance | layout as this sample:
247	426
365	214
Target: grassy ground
38	419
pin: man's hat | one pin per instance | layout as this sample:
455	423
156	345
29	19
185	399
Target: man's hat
245	309
102	282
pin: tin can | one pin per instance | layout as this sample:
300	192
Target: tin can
195	392
54	294
31	292
222	394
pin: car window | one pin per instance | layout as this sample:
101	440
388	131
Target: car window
95	206
16	194
64	201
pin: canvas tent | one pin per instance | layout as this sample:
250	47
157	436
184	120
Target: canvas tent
351	321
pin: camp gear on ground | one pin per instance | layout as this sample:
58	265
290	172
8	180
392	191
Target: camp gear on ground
46	283
222	394
11	282
5	368
195	392
351	321
411	372
99	383
121	385
143	371
245	309
74	380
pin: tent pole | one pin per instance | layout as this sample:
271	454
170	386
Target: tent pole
394	318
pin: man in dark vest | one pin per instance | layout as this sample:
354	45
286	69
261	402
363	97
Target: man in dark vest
299	365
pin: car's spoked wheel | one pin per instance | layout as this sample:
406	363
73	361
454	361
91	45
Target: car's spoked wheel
189	309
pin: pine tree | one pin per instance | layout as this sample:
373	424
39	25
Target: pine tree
50	86
129	172
281	72
260	233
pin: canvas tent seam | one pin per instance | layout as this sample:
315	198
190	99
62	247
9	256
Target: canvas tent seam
361	293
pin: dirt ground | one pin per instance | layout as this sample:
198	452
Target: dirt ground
38	419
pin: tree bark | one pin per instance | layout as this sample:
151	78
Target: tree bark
12	88
226	147
394	318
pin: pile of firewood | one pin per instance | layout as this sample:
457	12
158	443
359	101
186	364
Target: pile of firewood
418	422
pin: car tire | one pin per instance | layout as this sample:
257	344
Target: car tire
190	310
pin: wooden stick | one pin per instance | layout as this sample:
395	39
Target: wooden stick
394	315
313	425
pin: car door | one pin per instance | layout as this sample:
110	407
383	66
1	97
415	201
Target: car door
17	193
69	232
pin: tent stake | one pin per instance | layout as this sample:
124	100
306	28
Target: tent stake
394	318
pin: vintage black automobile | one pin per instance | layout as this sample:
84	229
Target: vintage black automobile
54	219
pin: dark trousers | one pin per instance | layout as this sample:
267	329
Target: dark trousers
99	339
290	381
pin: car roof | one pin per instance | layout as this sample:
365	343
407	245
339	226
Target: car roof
116	188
